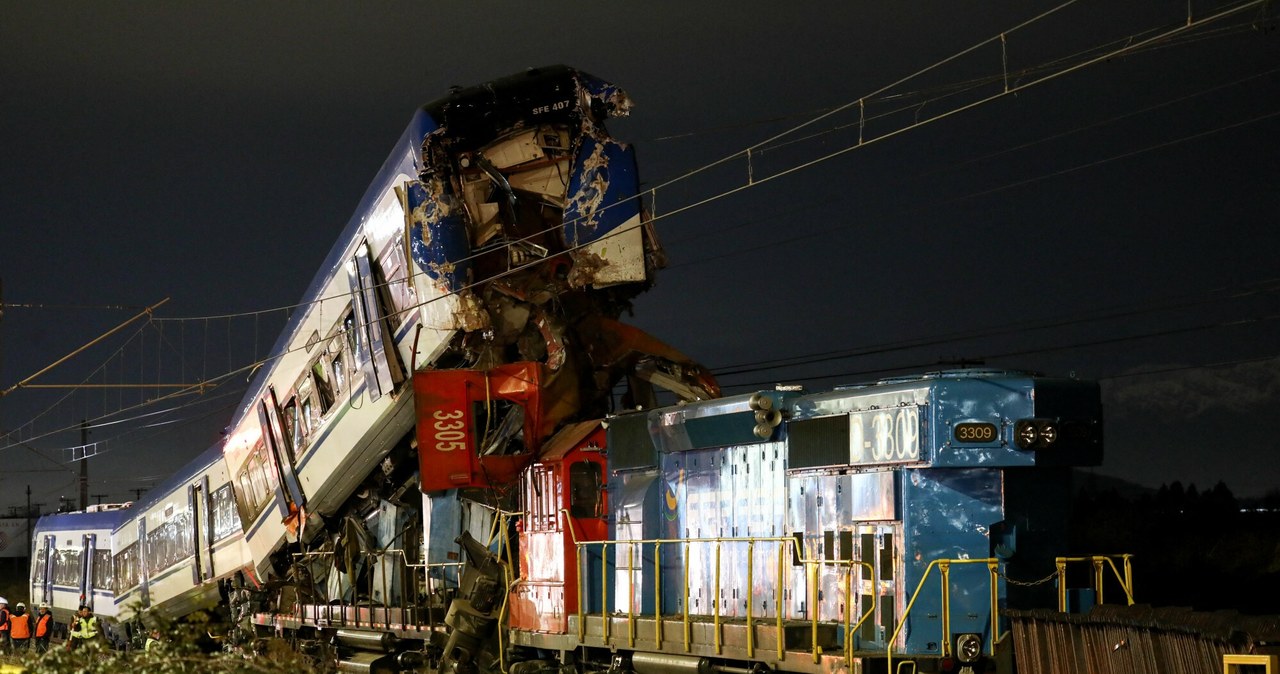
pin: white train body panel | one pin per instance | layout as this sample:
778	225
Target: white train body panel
71	563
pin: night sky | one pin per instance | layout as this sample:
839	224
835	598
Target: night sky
1116	223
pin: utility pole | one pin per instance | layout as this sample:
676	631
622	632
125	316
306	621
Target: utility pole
29	523
84	466
137	492
99	497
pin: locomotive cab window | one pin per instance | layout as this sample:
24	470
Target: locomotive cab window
584	489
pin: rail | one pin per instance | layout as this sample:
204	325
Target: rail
716	544
944	570
1125	580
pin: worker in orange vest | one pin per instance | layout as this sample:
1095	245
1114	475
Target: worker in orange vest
4	626
44	628
20	628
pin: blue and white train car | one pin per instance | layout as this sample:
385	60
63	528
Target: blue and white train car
72	562
177	541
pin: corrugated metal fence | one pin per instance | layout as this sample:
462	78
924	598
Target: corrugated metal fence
1137	640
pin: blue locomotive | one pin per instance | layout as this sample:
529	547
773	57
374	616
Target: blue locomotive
806	531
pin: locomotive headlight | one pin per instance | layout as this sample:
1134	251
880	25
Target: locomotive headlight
1025	434
968	648
1035	433
1048	433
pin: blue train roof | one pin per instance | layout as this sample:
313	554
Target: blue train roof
972	373
81	521
180	477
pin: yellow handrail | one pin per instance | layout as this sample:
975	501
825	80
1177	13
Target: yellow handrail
751	567
1125	579
657	597
716	600
812	567
777	609
944	566
631	595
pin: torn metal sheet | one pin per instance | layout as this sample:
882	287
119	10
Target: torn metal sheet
438	233
527	212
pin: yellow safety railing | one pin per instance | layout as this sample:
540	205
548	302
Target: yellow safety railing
498	532
944	569
1098	561
1231	662
784	544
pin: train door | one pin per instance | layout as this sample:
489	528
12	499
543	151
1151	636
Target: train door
201	530
375	345
262	502
281	449
88	543
50	554
144	575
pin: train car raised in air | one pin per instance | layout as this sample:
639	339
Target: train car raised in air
432	472
504	230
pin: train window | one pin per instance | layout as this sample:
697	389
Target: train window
170	542
256	482
324	391
226	520
126	568
584	489
310	413
339	375
66	568
258	477
297	435
349	328
102	569
398	287
246	497
37	566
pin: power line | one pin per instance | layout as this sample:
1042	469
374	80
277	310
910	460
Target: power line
1024	352
1132	46
1125	311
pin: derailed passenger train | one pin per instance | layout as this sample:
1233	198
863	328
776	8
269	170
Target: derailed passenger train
431	470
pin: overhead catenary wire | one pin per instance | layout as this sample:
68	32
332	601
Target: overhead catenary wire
916	366
1270	286
814	233
754	181
1126	46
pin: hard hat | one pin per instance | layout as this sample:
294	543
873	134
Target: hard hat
44	604
20	605
4	601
